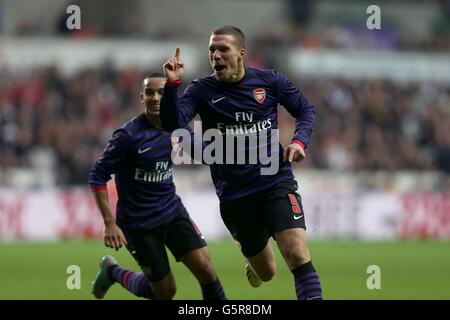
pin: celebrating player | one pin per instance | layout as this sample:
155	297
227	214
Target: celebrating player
253	206
150	215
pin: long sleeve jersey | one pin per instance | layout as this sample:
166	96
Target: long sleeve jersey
246	106
140	157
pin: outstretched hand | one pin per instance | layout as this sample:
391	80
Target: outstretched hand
173	68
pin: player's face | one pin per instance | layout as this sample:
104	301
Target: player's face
226	57
151	94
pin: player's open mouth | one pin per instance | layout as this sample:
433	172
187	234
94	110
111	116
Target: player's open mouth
219	67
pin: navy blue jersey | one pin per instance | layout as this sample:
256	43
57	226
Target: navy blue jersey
140	157
249	105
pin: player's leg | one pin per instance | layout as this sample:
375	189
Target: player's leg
262	264
110	272
163	289
188	246
199	263
265	264
243	219
286	220
293	247
156	281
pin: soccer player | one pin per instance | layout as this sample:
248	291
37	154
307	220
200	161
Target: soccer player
254	207
150	215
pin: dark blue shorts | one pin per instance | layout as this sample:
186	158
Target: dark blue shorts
253	219
180	236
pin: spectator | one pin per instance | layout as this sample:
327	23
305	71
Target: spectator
54	123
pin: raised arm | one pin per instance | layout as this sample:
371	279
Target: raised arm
176	112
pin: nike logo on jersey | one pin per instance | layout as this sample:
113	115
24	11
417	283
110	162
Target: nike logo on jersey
214	101
298	217
141	151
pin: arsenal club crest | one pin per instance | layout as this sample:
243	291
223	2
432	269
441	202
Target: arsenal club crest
259	95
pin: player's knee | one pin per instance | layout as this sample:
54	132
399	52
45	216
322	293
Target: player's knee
265	270
166	292
170	292
296	255
147	271
205	271
266	274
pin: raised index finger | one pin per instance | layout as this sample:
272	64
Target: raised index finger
177	53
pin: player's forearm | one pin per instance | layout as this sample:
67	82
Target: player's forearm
300	108
169	111
304	125
102	201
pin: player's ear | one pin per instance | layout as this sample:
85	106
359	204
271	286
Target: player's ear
242	53
141	95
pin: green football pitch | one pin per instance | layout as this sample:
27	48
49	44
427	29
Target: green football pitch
408	270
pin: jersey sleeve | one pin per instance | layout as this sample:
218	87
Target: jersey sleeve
108	163
298	106
177	111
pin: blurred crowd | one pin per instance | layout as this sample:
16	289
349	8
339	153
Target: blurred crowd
338	28
61	124
341	29
49	122
379	124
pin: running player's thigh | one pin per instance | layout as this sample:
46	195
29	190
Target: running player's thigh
183	235
264	262
147	248
244	219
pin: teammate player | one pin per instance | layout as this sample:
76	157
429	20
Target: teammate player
254	207
150	215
